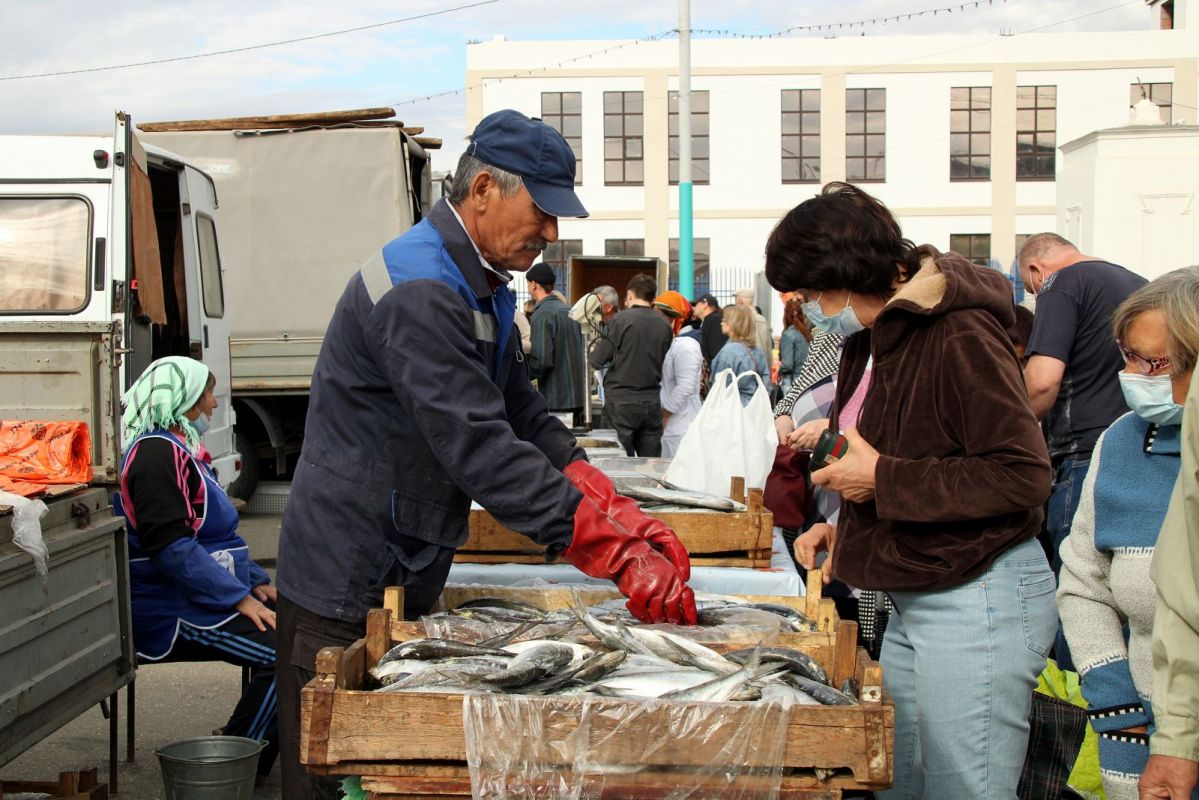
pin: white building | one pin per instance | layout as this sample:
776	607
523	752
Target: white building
958	134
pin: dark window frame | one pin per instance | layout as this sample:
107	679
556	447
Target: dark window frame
699	118
975	113
556	119
625	140
621	247
798	106
1038	133
557	256
701	262
870	104
974	244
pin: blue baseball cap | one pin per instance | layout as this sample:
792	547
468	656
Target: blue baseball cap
536	152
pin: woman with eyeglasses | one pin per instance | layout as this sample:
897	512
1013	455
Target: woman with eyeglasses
1106	598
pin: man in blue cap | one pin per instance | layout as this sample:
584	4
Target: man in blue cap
421	402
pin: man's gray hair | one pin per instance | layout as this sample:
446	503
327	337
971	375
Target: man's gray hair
1039	244
607	295
1176	295
469	167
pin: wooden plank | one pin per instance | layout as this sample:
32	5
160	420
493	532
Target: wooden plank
378	634
737	489
272	121
815	587
316	708
370	726
393	601
846	657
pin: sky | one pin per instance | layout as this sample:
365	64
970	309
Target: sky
394	62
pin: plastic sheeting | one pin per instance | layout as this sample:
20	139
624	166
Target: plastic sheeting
525	748
755	627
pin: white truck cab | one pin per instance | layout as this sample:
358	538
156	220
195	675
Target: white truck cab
109	259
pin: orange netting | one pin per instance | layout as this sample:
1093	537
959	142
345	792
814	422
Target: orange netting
35	454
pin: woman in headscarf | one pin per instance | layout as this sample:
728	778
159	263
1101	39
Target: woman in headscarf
195	593
681	372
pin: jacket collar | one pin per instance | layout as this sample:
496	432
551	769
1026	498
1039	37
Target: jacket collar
463	250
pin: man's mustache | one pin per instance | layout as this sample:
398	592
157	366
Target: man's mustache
536	246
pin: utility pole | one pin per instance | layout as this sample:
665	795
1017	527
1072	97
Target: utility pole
686	250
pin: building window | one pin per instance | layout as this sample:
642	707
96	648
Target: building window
563	111
974	246
1036	132
801	135
557	257
624	132
970	133
701	171
701	260
1162	94
624	247
866	134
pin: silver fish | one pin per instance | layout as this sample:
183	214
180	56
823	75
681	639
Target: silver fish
782	693
591	670
531	665
507	603
826	695
455	672
433	649
675	497
650	684
726	686
578	652
614	635
796	661
803	622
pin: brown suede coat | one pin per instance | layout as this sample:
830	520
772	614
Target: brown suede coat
963	469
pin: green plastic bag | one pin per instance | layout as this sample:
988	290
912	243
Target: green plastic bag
1065	685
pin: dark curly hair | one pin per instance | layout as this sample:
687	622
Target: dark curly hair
843	238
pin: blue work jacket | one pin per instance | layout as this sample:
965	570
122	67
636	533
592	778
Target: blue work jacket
420	403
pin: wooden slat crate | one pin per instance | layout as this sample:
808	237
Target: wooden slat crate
713	538
412	745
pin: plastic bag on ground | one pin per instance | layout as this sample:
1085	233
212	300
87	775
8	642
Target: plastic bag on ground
727	440
528	748
27	528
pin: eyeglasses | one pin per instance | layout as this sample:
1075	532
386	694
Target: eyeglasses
1141	364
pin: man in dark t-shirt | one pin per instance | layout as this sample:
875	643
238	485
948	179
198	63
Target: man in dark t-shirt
1072	366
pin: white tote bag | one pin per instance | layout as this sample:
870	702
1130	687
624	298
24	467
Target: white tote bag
727	439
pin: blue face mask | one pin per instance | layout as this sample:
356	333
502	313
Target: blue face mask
1151	397
200	423
844	323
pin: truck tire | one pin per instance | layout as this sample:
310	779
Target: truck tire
247	481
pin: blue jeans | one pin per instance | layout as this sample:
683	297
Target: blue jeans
961	665
1059	517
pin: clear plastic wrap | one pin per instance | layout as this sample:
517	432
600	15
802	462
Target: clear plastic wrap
27	529
750	627
528	748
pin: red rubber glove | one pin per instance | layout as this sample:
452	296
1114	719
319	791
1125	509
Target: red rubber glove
601	549
594	484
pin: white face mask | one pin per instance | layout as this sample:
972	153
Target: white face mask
1151	397
200	423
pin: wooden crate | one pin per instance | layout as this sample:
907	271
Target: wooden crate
412	745
713	538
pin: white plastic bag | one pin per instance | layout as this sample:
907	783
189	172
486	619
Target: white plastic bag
27	528
726	439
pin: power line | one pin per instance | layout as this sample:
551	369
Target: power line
858	23
248	48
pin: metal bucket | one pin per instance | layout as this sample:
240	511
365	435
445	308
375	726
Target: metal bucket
210	768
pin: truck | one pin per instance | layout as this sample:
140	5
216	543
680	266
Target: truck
109	259
305	200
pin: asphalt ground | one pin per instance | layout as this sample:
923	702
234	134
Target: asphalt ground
174	701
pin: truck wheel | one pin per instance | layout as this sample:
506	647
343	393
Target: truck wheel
247	481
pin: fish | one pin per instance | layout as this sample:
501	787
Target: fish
579	652
389	671
805	623
676	497
614	635
591	670
744	615
826	695
683	651
852	688
649	684
782	693
506	603
795	661
531	665
433	649
726	686
455	672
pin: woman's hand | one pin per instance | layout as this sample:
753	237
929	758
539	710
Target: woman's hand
819	538
784	425
805	436
252	609
265	592
853	475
